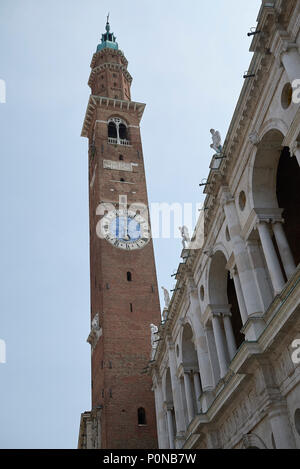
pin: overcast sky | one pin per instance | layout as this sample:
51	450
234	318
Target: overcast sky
187	60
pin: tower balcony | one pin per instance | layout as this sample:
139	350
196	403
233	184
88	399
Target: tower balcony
118	141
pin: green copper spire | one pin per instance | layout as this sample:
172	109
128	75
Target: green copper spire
108	39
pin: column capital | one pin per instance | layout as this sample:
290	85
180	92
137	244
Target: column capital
268	221
219	310
216	315
261	221
227	314
287	45
277	220
267	215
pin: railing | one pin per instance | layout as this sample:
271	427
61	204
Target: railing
116	141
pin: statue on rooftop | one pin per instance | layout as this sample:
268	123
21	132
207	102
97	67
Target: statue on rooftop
185	236
217	141
154	339
167	297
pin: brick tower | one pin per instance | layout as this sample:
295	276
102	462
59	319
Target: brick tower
124	294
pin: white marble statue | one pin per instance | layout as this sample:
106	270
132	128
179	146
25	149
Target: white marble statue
217	141
96	323
185	236
167	297
154	338
96	332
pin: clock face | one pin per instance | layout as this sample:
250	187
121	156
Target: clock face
126	230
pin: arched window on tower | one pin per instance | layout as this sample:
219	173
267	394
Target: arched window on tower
129	276
142	416
118	132
112	130
123	132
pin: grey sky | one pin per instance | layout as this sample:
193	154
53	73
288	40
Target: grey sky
187	60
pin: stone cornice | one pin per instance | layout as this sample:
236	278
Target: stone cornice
111	52
110	66
114	105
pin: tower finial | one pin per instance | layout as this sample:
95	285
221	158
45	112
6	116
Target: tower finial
107	24
108	39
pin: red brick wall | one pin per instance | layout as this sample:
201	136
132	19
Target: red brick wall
124	349
110	80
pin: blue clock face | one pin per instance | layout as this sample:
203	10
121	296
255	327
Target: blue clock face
125	229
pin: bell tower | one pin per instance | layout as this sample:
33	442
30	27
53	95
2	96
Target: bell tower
124	293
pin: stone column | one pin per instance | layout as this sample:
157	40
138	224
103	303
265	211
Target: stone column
189	395
198	392
171	432
160	416
281	427
290	59
239	293
205	369
231	344
177	399
263	283
212	353
284	249
247	280
271	257
220	345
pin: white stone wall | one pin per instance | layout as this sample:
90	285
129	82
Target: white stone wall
209	393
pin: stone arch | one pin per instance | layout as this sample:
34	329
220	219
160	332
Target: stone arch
275	180
264	170
191	373
217	280
169	409
273	124
189	354
168	384
118	129
221	291
218	248
252	441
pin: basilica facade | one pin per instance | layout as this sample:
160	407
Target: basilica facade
225	367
